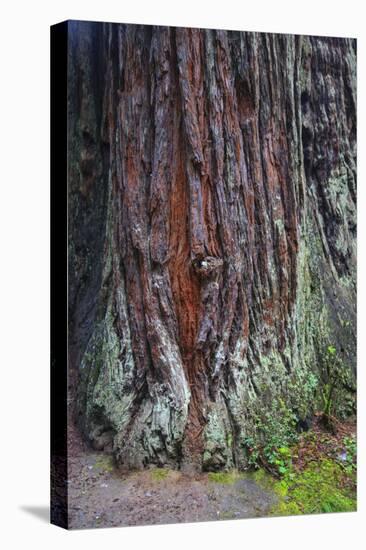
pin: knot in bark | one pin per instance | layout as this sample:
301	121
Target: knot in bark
208	267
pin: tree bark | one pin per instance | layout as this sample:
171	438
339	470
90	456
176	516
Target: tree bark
212	236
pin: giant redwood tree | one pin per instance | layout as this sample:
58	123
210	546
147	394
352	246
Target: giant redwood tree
212	238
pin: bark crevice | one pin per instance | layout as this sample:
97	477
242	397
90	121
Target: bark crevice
212	220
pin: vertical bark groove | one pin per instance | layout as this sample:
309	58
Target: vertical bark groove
212	219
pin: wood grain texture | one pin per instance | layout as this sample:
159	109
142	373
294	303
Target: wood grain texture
212	229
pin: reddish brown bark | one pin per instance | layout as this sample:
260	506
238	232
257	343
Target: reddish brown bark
212	233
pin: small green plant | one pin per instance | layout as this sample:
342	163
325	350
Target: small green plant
253	451
279	459
276	431
349	461
351	447
283	460
310	384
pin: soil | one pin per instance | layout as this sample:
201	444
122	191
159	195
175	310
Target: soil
102	496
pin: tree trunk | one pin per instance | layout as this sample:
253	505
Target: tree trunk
212	237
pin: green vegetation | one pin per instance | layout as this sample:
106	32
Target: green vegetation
321	485
105	463
316	489
350	460
225	477
276	431
158	474
317	484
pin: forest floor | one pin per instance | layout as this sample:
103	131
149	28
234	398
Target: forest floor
320	477
101	496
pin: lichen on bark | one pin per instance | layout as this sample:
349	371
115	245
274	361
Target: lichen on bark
212	235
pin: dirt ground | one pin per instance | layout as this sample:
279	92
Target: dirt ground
101	496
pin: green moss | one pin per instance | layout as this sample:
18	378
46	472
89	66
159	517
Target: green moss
225	477
269	483
287	509
261	477
315	490
158	474
105	463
